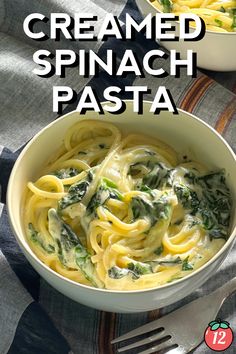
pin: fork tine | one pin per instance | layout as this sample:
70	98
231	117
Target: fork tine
156	348
151	326
148	340
176	350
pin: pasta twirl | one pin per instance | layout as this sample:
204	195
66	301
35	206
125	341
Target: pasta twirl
124	212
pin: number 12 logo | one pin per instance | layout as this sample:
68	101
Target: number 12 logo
218	335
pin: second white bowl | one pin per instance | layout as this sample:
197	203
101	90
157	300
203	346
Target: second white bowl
216	51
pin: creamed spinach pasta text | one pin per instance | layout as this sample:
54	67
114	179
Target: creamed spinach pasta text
124	212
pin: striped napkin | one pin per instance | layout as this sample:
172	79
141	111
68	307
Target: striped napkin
34	317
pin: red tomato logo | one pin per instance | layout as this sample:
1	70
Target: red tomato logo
218	335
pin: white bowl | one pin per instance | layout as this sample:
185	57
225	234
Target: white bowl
187	134
216	51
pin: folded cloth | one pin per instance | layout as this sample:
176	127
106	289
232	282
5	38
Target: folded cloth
34	317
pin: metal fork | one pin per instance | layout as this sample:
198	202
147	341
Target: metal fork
183	329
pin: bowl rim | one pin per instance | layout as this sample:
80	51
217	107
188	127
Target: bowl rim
30	252
207	31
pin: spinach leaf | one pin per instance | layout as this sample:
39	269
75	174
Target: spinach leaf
107	189
218	22
186	265
166	262
98	199
145	188
36	237
154	211
158	176
208	219
107	184
159	250
75	194
138	168
167	5
194	223
191	177
215	206
71	252
176	260
215	233
222	211
187	197
118	273
90	176
83	260
66	172
142	208
134	269
233	15
68	238
222	9
162	208
212	180
140	268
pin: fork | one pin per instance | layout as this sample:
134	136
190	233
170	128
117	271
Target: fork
183	329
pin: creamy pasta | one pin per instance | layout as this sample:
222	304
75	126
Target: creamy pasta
218	15
124	212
